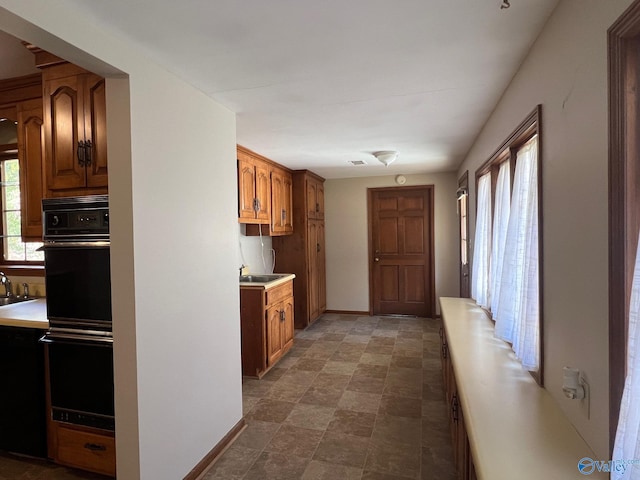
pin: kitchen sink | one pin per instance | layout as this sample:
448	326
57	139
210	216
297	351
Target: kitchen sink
262	278
11	300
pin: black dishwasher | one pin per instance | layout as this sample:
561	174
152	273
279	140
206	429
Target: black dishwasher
22	392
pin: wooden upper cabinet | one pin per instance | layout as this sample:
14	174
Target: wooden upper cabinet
254	188
265	195
75	129
281	202
315	199
246	189
30	146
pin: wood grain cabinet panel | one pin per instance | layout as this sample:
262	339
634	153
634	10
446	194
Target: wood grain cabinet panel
74	131
281	202
267	326
302	252
85	449
254	188
30	152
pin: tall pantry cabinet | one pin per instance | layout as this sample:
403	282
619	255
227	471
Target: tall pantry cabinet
302	252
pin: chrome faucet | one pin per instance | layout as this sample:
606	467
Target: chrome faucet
4	280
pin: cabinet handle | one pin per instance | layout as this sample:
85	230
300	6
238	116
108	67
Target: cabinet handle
87	148
445	350
81	153
317	207
95	447
284	214
283	315
318	247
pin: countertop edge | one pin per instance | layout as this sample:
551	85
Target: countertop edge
32	314
268	285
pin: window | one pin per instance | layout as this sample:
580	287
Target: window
14	250
507	253
463	230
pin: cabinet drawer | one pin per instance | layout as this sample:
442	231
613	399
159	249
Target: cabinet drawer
86	450
278	293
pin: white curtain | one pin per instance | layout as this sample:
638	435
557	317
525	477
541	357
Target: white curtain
500	223
517	318
482	246
627	444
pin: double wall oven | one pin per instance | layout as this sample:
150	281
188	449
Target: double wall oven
78	283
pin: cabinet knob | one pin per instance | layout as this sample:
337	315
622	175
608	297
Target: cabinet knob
376	259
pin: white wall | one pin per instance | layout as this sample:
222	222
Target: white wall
566	72
255	252
177	342
347	237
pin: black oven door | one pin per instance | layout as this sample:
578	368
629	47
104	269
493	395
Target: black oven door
81	379
78	284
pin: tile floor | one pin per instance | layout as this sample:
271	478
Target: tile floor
355	398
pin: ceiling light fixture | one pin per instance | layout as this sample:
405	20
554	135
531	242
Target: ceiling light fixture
386	157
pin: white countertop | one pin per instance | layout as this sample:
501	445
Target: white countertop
31	314
268	285
515	427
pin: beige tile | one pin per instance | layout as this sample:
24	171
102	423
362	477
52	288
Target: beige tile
235	462
328	471
369	475
342	449
255	388
277	466
366	384
290	440
298	377
368	370
248	403
360	401
257	435
401	406
437	463
375	358
270	410
341	368
327	397
407	362
379	349
290	392
391	458
315	417
352	423
312	364
347	356
401	430
274	374
332	380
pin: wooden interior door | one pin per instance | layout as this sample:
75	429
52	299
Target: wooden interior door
401	251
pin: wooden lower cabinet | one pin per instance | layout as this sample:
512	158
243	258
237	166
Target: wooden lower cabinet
85	448
267	326
461	450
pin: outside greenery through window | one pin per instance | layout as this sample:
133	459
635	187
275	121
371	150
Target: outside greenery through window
14	249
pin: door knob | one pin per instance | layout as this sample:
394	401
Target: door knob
376	259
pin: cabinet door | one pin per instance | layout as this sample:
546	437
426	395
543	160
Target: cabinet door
64	129
263	192
277	201
95	130
322	276
312	262
311	199
30	145
320	201
274	333
287	202
246	189
287	323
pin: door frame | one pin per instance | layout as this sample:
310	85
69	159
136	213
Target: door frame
429	189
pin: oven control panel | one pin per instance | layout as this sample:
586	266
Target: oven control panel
75	221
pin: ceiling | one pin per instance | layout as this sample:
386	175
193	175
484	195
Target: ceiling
319	84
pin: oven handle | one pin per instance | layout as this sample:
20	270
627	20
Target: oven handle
96	244
52	338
